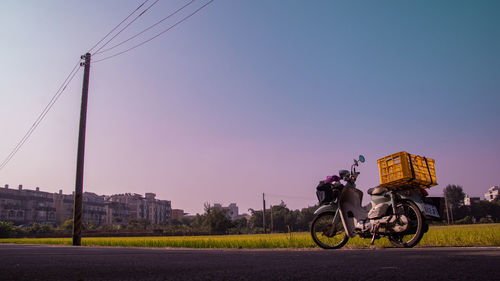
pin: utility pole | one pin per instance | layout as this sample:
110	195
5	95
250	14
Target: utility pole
78	208
446	205
264	213
272	225
451	211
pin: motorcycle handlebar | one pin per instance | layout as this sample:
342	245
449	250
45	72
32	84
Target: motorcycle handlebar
354	174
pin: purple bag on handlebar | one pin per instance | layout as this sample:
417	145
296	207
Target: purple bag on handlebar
332	178
328	190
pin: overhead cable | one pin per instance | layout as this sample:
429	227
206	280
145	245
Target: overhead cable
44	112
280	196
156	36
157	23
133	12
138	16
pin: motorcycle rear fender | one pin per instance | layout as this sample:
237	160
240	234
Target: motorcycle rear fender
415	197
421	207
326	208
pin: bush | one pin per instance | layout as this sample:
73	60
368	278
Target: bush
466	220
38	228
7	229
484	220
67	225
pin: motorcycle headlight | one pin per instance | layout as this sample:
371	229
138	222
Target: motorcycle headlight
344	174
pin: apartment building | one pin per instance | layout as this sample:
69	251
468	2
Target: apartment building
232	210
138	207
28	206
22	206
177	214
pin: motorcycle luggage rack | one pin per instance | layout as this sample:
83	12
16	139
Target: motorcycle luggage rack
403	169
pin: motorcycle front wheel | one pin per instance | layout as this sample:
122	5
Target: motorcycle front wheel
326	234
415	230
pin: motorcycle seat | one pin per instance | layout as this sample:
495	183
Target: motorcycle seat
377	190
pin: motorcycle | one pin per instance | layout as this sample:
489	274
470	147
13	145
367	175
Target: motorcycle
400	214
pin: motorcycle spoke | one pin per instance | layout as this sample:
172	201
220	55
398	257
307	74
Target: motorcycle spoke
412	235
327	233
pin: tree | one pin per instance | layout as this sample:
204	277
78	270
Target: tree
454	194
305	218
240	223
138	224
175	222
38	228
255	221
215	220
283	218
484	209
91	225
7	229
186	221
67	224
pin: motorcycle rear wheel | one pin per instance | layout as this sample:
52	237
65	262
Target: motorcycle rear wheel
410	237
327	235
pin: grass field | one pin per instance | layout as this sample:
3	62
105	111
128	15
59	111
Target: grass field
459	235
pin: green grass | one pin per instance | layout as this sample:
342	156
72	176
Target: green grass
460	235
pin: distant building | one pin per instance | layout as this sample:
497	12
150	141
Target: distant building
28	206
93	207
232	210
492	193
123	207
469	200
157	211
177	214
64	206
128	206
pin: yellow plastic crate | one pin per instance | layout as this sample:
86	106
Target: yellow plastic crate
402	169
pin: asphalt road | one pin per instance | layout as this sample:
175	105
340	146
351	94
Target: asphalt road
34	262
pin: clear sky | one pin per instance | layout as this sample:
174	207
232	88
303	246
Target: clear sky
253	96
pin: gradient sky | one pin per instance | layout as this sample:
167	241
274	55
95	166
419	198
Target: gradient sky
254	96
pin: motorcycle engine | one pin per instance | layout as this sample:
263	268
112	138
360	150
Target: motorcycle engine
391	224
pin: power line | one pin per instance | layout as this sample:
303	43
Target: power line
42	115
75	69
279	196
138	16
160	21
133	12
154	37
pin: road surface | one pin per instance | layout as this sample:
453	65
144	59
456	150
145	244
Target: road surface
35	262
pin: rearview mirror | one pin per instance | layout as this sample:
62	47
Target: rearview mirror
361	159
